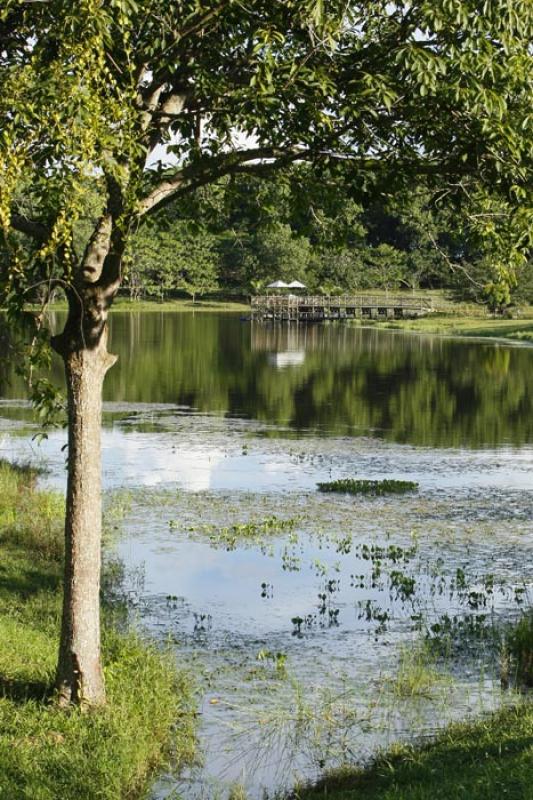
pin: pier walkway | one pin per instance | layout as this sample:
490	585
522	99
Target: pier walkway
294	308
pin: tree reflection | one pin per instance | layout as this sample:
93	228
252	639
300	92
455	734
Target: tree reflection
332	379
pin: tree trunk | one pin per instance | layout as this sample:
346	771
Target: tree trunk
79	673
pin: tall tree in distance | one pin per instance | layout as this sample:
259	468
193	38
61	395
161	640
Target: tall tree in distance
145	100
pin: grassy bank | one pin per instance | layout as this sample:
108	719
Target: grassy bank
227	306
122	304
45	753
487	760
454	324
451	319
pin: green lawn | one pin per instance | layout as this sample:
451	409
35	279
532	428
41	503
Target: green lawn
47	753
122	304
451	324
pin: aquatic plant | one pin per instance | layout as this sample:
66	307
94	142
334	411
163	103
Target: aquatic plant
521	648
277	660
368	487
311	723
237	792
251	532
417	675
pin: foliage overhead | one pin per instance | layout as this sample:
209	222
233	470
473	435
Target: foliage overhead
151	100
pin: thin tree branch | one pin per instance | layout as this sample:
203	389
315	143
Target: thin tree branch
195	27
453	265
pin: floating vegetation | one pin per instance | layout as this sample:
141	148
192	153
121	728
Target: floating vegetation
461	633
253	531
352	587
372	488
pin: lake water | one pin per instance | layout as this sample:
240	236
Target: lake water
318	627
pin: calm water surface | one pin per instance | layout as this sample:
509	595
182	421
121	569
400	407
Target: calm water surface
306	617
329	379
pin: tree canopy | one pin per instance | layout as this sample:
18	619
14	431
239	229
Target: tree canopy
153	99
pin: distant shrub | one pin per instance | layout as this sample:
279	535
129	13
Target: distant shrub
374	488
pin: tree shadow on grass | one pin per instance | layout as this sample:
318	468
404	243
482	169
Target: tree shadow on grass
22	581
27	583
20	691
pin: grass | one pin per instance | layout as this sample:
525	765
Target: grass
487	760
460	322
417	675
253	532
373	488
181	305
450	318
47	753
521	648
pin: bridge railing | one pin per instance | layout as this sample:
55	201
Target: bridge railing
343	301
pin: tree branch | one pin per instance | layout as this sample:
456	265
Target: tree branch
195	27
453	265
37	230
214	167
97	250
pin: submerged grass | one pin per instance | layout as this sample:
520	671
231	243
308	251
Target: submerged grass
486	760
47	753
374	488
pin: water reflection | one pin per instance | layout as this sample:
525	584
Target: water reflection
332	379
199	413
290	358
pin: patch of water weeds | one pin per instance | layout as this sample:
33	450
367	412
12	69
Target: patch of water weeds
368	487
388	581
253	531
327	593
427	593
303	727
419	674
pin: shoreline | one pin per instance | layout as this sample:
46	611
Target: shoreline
460	325
148	722
484	759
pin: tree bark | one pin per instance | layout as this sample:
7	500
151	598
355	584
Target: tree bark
83	347
79	674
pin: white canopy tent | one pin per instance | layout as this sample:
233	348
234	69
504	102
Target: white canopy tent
278	285
296	285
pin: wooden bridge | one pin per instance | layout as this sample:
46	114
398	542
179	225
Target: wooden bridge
311	308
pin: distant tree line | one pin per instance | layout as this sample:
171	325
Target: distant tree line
236	236
233	237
